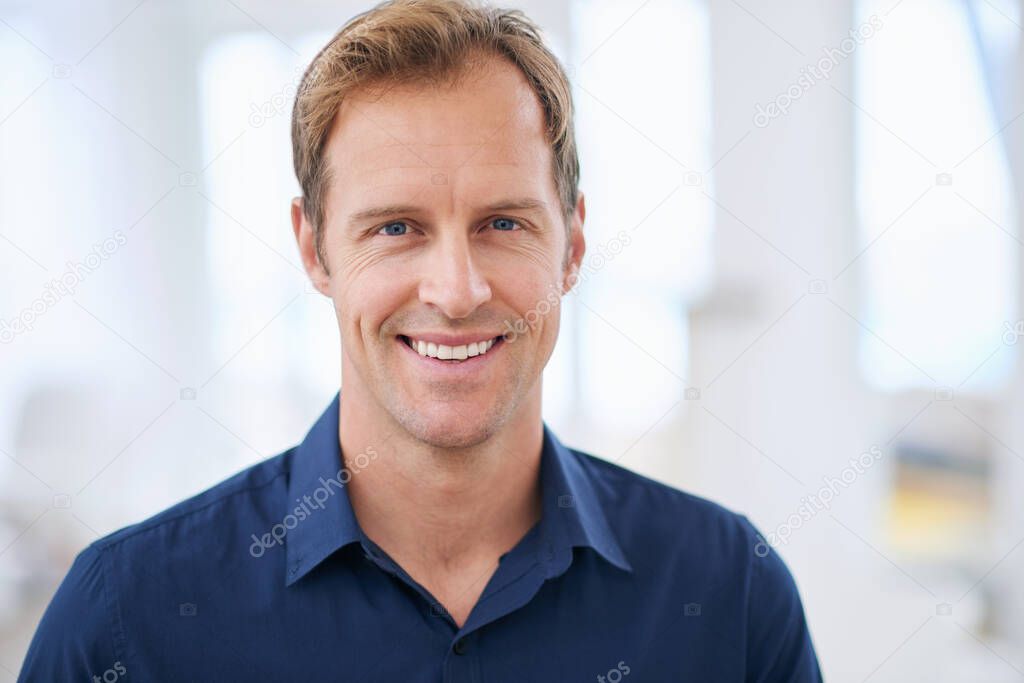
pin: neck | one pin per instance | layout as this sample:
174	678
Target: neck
438	509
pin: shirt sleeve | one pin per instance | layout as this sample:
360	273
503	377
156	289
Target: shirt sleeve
75	638
779	642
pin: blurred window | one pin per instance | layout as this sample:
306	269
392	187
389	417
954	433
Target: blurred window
938	244
247	87
641	75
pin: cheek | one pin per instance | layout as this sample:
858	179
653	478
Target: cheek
366	295
531	290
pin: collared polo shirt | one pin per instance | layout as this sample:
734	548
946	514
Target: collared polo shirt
268	576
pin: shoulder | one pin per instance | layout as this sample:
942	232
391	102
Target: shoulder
240	496
664	514
194	544
679	539
780	645
664	517
81	633
77	636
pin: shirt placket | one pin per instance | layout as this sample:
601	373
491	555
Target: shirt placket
521	573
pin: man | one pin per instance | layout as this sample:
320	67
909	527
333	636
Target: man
430	527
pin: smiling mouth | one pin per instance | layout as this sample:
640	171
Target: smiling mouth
451	354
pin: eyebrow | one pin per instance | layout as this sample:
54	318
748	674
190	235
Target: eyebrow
376	212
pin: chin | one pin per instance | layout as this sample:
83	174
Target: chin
453	428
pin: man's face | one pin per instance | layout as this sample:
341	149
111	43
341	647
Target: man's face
443	231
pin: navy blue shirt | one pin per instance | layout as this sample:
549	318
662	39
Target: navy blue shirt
268	577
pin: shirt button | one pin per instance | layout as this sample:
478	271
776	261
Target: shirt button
460	646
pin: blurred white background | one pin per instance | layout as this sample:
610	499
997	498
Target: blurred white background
821	204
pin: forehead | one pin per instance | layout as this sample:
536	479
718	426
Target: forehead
486	128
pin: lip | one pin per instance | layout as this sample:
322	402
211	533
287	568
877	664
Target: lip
455	370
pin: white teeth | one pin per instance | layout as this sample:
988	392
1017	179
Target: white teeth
445	352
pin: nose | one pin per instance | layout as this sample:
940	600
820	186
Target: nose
452	279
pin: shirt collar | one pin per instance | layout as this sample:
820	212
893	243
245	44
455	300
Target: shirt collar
572	514
320	520
317	475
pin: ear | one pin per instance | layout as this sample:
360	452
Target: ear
306	240
577	246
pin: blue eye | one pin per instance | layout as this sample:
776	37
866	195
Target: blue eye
504	224
393	229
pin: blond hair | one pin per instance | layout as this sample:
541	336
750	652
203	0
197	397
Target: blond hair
402	41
